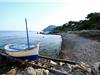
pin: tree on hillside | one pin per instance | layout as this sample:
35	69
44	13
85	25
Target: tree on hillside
92	22
94	18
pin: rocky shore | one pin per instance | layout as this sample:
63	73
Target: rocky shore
43	67
75	47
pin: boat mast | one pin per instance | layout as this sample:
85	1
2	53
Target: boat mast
27	33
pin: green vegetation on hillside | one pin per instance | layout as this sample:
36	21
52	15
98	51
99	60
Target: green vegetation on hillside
92	22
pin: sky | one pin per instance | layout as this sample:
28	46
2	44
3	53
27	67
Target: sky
42	13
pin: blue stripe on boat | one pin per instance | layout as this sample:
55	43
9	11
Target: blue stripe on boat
33	57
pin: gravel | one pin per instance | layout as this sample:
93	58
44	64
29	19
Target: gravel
77	48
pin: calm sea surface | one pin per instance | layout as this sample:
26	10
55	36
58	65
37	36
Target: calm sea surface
50	44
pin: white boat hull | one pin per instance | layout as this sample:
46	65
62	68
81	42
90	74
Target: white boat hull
31	53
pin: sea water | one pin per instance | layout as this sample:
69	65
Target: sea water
49	44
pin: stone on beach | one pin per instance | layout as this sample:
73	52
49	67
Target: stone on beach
32	71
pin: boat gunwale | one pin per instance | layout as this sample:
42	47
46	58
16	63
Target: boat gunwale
15	50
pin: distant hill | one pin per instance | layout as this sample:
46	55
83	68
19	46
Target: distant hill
91	22
49	28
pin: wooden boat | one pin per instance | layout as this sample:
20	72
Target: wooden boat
22	51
